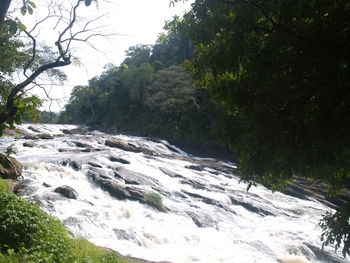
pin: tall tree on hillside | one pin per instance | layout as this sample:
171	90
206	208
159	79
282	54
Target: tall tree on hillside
282	71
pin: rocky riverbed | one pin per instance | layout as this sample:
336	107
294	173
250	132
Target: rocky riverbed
149	199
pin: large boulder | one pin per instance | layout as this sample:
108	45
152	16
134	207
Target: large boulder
116	190
67	191
115	143
10	168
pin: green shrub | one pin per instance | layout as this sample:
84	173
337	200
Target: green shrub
155	200
30	231
28	234
4	185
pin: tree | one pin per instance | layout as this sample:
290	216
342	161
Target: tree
282	71
39	61
4	6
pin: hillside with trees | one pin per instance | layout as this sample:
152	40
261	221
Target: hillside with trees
149	94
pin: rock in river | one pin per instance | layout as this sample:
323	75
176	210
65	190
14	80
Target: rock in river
115	143
67	191
10	168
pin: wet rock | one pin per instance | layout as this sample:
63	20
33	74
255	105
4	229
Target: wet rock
148	152
79	131
114	189
170	173
46	185
67	192
323	256
134	178
126	235
115	143
119	160
33	129
76	166
30	137
194	184
171	148
73	164
29	144
66	131
202	220
72	221
194	167
295	191
81	145
94	165
17	132
126	180
22	187
192	194
10	168
251	207
206	200
45	136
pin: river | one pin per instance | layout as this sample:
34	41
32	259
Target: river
210	216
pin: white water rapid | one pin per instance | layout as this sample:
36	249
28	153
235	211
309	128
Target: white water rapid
210	216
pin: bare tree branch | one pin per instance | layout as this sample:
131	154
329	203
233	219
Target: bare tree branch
63	58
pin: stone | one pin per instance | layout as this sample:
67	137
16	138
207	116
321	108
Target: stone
251	207
76	166
79	131
73	164
115	143
33	129
10	168
45	136
94	165
81	145
28	144
119	160
67	192
194	167
113	188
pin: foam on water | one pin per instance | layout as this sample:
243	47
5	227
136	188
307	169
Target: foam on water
203	223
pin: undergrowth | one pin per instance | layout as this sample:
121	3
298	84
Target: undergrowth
29	235
4	185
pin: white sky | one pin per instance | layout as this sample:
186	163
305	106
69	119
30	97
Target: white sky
133	21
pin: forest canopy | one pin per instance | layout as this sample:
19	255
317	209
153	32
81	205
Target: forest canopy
149	94
281	71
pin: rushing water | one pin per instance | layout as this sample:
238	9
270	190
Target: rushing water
210	218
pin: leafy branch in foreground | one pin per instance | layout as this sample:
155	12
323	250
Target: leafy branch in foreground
336	230
281	70
36	62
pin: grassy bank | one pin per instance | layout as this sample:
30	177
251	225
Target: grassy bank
28	234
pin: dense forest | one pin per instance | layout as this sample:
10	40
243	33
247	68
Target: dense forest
278	72
149	94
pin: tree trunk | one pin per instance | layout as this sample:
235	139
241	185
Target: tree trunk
4	6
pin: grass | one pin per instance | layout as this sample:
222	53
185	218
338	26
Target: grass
155	200
4	185
29	235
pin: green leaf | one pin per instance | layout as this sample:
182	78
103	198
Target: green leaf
23	10
31	4
22	27
30	10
